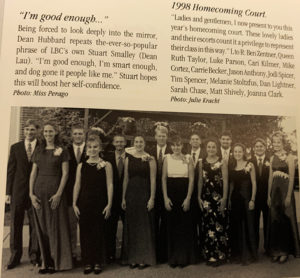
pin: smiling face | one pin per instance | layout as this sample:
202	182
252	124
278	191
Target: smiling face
238	153
211	148
78	136
176	148
139	143
30	132
259	149
195	141
49	133
119	143
161	138
277	144
93	149
225	141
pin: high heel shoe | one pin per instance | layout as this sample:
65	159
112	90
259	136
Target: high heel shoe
283	259
87	269
97	269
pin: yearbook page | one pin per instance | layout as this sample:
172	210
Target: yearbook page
150	138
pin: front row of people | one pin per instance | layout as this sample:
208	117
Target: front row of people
222	183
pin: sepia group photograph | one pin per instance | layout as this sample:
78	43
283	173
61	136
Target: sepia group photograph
122	193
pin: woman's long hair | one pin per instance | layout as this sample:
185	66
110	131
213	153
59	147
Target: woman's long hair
57	141
244	156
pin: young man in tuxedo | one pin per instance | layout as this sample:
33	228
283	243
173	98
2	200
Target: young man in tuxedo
158	152
117	160
225	149
196	153
77	155
17	195
261	163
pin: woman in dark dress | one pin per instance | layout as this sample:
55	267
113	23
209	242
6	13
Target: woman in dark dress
138	202
92	200
242	198
178	183
47	181
212	196
283	230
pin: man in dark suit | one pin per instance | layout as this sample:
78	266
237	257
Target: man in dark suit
261	163
196	153
225	151
17	195
117	160
77	155
158	152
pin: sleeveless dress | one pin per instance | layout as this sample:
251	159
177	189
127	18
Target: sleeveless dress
243	239
215	226
51	225
181	232
138	234
91	202
283	234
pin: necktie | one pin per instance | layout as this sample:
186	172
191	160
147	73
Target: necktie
194	157
78	155
160	161
120	166
226	155
29	151
260	166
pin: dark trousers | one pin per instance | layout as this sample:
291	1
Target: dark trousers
16	234
111	230
160	227
261	207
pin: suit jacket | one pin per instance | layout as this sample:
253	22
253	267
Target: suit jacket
18	173
262	180
117	180
153	152
72	173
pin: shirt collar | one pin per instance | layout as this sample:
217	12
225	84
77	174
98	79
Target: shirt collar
75	147
197	152
260	157
33	143
118	155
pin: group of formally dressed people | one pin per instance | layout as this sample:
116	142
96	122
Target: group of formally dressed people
176	207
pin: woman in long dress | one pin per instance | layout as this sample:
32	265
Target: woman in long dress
283	233
242	198
47	181
212	196
178	183
138	202
92	201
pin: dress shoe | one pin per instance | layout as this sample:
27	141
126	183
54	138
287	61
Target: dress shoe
12	265
283	259
97	269
133	266
87	269
274	259
43	271
142	266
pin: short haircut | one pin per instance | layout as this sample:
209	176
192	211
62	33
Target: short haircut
195	133
176	140
119	135
260	140
32	122
161	129
77	126
226	133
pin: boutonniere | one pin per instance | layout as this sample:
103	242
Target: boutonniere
217	165
267	164
282	156
101	164
247	168
186	159
57	151
146	157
